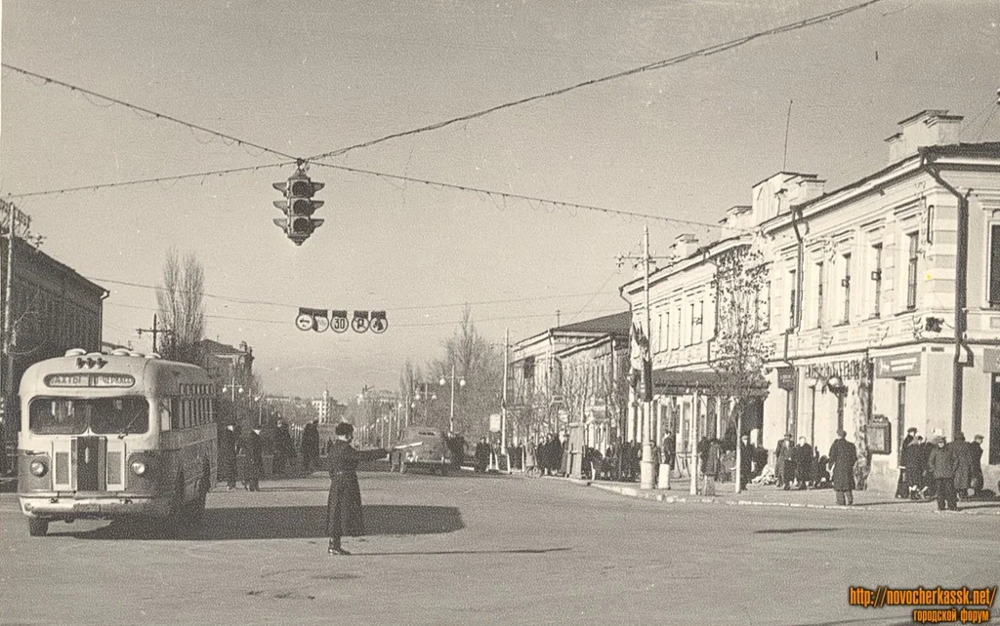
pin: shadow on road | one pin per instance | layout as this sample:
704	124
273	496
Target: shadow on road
446	552
292	522
790	531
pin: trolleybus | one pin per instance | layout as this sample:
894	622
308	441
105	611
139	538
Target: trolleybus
115	435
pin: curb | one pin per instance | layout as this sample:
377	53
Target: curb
634	492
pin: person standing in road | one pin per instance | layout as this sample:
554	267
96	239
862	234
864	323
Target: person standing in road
784	463
843	456
941	465
482	456
309	447
343	505
746	461
227	456
254	460
963	465
280	444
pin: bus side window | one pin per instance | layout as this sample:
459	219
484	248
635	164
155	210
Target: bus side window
175	413
165	415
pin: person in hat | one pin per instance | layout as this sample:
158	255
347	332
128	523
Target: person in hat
941	466
343	506
963	469
976	449
784	465
843	456
253	465
905	480
227	456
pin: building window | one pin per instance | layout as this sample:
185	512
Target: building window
697	322
819	294
877	279
764	306
995	265
845	282
659	332
995	422
911	272
793	285
901	413
666	327
677	335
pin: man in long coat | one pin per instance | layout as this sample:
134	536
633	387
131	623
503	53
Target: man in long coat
282	439
843	456
976	449
227	456
903	485
784	464
802	456
482	456
309	447
254	460
343	505
963	464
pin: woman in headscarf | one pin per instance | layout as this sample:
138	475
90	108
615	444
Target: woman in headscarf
343	506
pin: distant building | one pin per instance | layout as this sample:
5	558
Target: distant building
328	409
231	370
563	370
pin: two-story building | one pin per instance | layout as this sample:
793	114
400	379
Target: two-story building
882	305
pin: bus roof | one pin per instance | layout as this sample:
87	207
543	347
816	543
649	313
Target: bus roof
116	374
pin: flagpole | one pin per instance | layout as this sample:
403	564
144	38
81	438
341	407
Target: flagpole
646	465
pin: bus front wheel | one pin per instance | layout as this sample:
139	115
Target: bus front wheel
37	527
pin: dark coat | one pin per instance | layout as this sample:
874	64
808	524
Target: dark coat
942	462
343	505
914	458
843	456
963	463
310	442
254	463
227	455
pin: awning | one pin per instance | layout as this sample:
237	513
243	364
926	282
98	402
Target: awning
682	383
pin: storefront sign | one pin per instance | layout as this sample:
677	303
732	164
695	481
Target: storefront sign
846	370
786	378
991	360
897	366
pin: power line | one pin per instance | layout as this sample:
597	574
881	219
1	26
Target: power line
514	196
155	114
296	307
703	52
145	181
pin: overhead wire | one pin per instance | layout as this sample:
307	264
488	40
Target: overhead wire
156	114
656	65
556	204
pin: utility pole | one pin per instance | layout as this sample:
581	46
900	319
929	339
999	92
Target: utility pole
155	330
646	464
558	313
6	368
503	400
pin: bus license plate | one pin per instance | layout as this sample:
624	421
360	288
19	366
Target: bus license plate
86	507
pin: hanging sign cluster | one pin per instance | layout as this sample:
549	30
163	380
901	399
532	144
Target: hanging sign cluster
321	319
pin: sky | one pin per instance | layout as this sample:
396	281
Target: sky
684	142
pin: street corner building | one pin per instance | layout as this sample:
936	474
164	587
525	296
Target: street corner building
876	308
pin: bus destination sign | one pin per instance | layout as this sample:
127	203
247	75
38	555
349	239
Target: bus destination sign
89	380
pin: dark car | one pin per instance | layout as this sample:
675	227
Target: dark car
421	446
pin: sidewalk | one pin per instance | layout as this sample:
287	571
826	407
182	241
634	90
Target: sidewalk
679	493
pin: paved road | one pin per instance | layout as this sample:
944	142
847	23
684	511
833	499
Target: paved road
487	550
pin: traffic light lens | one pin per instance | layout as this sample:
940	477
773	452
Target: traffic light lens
301	225
301	188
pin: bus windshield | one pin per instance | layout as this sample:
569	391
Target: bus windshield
104	416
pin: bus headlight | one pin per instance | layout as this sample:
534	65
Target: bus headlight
138	468
38	468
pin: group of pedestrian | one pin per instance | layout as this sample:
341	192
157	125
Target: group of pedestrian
231	445
800	465
947	471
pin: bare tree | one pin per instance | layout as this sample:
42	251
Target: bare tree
181	307
740	352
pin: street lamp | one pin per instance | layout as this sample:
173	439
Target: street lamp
427	397
461	383
233	389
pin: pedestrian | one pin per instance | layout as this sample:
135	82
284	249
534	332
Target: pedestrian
281	436
713	465
941	464
903	484
343	505
746	461
802	456
253	463
784	464
843	456
482	456
227	456
309	446
976	449
963	469
913	467
530	455
669	449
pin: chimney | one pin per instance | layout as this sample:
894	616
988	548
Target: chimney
684	246
776	195
933	127
738	216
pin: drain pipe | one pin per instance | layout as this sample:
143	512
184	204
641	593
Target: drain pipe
961	281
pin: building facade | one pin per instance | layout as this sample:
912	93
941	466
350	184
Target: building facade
881	309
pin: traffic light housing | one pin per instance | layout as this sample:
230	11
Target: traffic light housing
298	206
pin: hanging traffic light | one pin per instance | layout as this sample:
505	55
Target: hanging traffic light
298	206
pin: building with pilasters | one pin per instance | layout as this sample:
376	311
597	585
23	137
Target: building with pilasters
882	305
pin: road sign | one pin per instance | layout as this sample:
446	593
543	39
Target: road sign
379	322
338	321
360	322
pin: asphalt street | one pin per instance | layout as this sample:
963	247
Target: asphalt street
487	550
